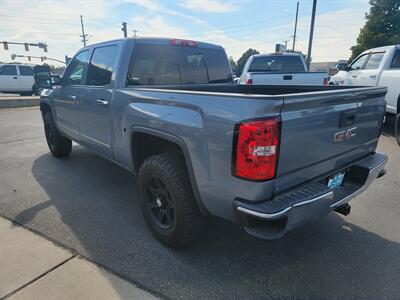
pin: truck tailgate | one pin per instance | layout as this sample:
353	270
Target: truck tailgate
298	78
322	132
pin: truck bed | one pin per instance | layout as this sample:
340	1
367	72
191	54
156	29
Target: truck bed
258	89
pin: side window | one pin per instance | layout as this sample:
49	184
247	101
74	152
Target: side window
101	66
25	71
359	63
74	73
374	60
8	70
396	60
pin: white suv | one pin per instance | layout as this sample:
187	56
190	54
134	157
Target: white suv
17	78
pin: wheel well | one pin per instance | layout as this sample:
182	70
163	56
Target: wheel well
145	145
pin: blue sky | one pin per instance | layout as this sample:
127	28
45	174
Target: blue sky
236	25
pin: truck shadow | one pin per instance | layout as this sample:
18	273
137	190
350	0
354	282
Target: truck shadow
100	218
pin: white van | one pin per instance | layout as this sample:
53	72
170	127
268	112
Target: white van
17	78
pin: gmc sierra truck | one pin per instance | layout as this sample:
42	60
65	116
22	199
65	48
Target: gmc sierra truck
267	157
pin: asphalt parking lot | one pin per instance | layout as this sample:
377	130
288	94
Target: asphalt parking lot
89	205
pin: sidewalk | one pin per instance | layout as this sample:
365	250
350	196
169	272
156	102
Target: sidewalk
31	267
18	101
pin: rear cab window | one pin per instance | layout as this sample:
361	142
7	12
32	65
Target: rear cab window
277	63
174	65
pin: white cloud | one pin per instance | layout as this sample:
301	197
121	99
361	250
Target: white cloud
151	5
211	6
60	28
334	34
157	26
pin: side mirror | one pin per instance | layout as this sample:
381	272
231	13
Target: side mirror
55	80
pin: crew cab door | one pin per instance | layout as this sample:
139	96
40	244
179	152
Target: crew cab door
67	96
9	79
95	105
26	79
369	75
355	69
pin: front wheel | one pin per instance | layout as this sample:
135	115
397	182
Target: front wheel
167	200
59	145
397	128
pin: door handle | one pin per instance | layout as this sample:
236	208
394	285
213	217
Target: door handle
101	102
372	76
15	77
354	76
72	97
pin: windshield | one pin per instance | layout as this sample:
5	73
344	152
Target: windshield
277	63
169	65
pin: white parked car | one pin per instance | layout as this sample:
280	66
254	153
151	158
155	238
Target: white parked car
17	78
376	67
280	69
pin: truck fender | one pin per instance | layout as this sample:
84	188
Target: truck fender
182	146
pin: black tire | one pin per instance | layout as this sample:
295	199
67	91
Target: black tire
26	93
181	223
397	128
59	145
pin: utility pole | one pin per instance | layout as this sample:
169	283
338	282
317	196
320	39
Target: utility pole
83	36
295	27
124	29
308	60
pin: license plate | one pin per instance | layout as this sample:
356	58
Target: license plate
335	181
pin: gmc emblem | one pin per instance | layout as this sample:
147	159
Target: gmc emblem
345	135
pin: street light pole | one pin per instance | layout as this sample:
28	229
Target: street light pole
308	60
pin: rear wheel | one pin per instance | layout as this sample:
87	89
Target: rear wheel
167	200
397	128
59	145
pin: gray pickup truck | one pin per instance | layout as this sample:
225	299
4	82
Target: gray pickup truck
267	157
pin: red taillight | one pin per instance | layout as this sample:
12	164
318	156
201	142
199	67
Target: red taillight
326	81
249	81
257	149
179	42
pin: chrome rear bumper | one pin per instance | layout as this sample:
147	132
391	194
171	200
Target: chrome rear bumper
272	219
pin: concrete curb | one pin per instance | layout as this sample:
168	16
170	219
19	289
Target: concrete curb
15	102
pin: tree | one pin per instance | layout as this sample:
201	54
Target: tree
242	60
382	26
233	64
